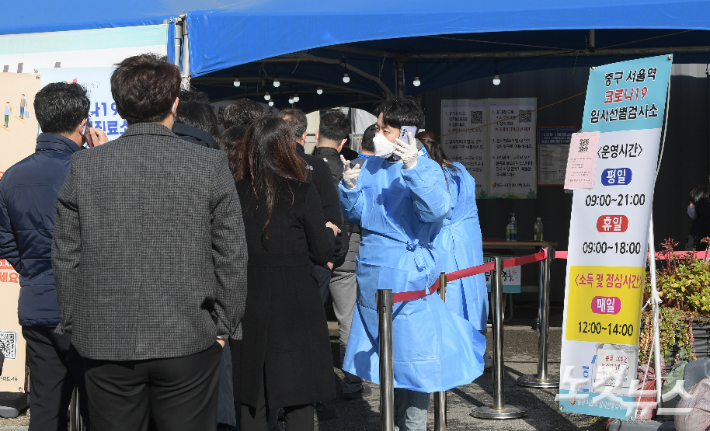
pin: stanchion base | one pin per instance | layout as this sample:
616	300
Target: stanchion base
531	381
509	412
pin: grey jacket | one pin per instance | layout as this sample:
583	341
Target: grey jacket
149	252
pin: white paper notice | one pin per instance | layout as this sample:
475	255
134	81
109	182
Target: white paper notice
582	160
512	150
464	141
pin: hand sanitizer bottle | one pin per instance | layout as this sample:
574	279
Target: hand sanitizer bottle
538	230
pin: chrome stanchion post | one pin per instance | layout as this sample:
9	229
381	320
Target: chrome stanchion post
75	421
440	397
385	301
499	410
542	378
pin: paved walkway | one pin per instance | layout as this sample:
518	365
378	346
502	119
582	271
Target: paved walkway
520	354
520	350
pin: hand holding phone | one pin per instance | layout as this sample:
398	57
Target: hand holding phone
87	133
403	133
93	137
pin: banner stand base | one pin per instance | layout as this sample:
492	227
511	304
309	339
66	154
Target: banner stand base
531	381
13	403
508	412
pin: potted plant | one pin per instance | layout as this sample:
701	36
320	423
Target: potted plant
683	282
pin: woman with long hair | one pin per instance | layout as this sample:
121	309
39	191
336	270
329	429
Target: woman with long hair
284	358
460	244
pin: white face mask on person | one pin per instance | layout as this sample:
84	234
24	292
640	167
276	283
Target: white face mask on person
383	147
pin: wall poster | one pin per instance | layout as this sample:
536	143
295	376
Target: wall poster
500	154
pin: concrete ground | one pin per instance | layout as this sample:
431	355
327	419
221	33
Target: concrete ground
520	356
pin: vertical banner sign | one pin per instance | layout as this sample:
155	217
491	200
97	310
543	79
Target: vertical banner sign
606	263
469	147
97	81
552	151
18	138
512	172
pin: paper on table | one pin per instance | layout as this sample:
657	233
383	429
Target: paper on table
582	160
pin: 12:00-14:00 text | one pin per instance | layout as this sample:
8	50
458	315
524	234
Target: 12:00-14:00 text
612	328
619	200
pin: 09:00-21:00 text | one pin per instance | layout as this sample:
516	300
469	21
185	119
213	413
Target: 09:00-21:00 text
619	200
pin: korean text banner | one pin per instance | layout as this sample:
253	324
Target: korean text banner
606	261
97	81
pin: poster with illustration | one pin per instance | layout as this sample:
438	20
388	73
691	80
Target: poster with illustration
18	133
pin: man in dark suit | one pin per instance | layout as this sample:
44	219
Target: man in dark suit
318	174
28	196
150	262
332	133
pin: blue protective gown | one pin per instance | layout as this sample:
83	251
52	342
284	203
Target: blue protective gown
401	211
460	246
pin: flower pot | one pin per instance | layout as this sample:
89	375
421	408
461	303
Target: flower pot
701	334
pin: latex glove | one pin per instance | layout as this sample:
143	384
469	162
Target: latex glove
407	152
350	174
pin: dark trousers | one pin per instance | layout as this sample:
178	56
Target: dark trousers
298	418
55	369
324	286
181	392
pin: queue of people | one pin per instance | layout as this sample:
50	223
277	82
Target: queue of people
176	272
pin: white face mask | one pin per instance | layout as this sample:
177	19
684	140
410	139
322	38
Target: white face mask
383	147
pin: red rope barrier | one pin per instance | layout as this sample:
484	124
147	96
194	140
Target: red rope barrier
468	272
509	263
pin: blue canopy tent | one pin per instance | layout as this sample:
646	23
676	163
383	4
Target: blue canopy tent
310	43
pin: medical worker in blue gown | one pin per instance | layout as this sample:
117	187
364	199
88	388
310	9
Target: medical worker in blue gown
400	199
460	243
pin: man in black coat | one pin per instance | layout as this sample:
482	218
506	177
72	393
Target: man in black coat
196	122
318	174
331	136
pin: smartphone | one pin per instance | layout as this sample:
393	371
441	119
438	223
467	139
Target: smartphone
403	133
87	134
356	162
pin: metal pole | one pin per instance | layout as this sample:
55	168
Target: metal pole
385	301
499	410
399	79
542	379
185	57
178	41
440	397
75	421
655	302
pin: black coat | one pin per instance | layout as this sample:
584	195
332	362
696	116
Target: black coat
285	341
319	175
194	135
331	157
